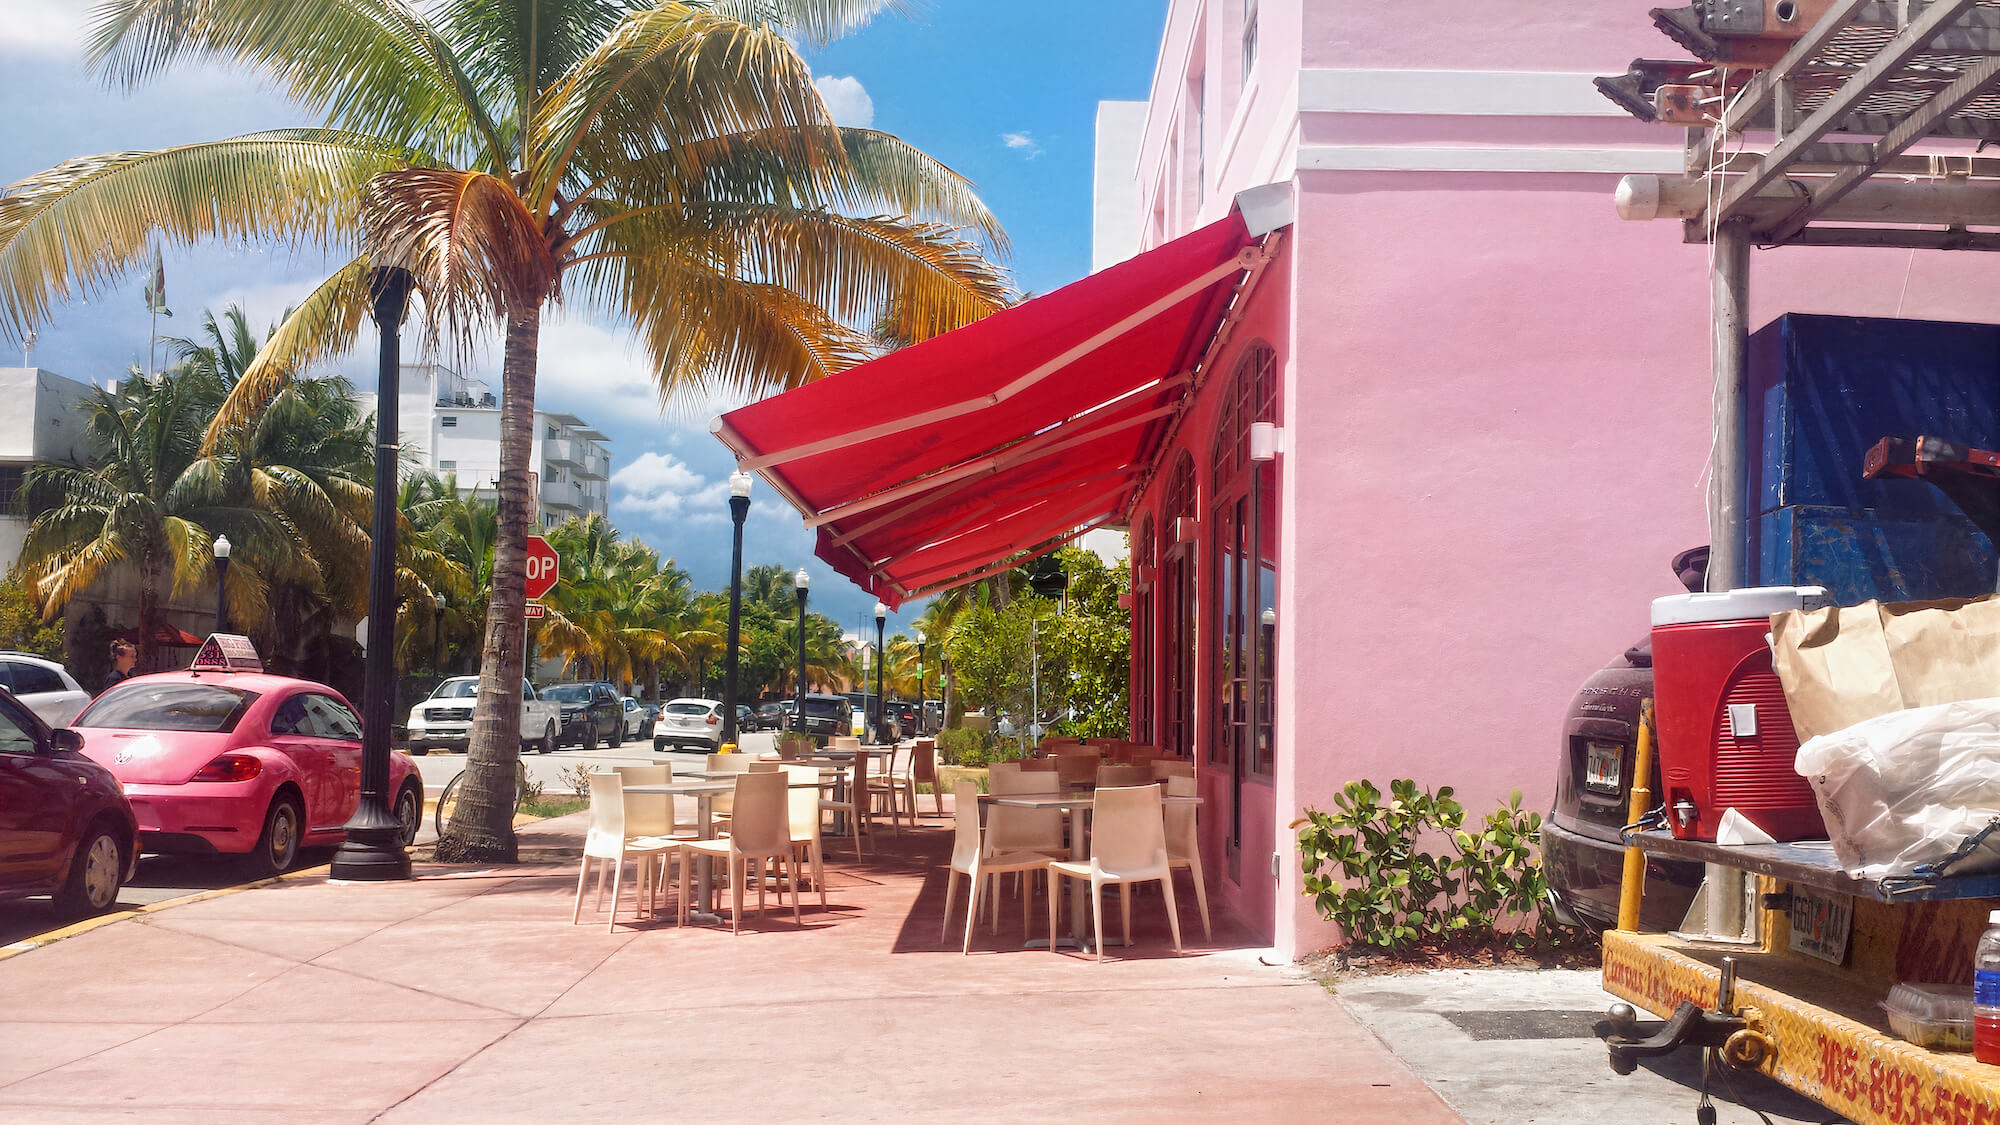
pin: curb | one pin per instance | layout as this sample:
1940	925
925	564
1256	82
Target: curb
50	937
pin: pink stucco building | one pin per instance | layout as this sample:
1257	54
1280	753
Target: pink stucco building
1493	398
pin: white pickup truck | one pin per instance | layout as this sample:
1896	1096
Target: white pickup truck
444	720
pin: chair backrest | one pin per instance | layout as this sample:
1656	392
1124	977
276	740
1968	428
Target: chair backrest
724	804
607	816
1021	829
1172	767
1051	747
923	761
1112	774
761	823
1077	767
802	800
965	812
646	814
1179	818
859	792
845	742
790	748
1036	765
763	767
1127	834
899	762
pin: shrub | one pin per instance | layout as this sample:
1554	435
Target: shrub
1367	869
959	746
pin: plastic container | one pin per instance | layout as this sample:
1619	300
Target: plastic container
1937	1016
1986	993
1726	736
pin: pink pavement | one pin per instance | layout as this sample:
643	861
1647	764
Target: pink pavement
466	995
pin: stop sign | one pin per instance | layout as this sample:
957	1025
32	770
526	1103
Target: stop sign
544	566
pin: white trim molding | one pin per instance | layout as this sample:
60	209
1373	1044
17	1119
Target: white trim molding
1469	158
1452	93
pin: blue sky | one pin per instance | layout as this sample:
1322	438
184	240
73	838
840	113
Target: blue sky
997	91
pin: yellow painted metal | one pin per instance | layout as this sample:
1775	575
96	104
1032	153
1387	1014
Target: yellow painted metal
1821	1028
1634	881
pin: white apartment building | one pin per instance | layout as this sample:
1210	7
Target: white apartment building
451	424
47	425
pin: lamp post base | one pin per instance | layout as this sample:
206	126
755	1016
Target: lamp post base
373	852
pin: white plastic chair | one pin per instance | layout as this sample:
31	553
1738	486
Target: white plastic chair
721	806
656	775
609	842
896	787
856	804
1128	844
759	832
969	857
1184	844
923	769
802	809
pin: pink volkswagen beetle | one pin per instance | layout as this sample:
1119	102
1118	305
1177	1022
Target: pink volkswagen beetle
235	762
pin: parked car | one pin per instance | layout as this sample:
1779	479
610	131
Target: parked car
771	716
746	719
238	763
1583	851
685	722
44	685
444	721
66	827
639	719
902	718
825	716
590	711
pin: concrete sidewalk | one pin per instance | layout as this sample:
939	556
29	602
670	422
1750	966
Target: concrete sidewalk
467	996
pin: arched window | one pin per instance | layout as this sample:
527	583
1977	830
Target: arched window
1243	571
1177	593
1145	579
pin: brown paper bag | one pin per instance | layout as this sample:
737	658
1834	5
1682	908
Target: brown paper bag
1843	664
1835	667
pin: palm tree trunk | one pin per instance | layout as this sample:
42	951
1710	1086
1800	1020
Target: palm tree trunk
149	611
482	828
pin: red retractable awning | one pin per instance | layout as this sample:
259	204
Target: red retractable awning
934	464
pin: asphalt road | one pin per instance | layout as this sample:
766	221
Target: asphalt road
168	877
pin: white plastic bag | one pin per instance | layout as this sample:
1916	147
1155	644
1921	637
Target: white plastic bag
1909	787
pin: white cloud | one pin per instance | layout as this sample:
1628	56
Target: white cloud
847	100
1024	142
659	485
41	27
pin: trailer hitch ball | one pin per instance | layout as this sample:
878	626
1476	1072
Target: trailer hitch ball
1623	1018
1690	1026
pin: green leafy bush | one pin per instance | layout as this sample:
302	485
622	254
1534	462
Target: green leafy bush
1405	871
959	746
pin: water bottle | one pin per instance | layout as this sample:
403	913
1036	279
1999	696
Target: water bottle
1986	994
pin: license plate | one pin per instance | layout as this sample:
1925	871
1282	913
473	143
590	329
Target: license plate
1601	764
1820	923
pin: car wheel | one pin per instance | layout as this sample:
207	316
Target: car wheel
548	745
278	845
590	736
94	875
409	813
659	744
618	732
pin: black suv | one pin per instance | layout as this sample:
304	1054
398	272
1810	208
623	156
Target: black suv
825	716
590	711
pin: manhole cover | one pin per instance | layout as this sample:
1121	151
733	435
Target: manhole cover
1527	1024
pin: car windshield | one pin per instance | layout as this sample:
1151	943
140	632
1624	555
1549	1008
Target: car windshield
456	689
824	706
153	705
568	693
687	708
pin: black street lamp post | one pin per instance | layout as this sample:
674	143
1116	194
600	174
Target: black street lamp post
739	506
881	616
374	848
800	582
221	583
921	639
437	636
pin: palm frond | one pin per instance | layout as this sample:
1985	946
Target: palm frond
71	230
473	247
818	22
323	326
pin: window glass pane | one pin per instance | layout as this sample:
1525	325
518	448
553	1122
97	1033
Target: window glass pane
331	720
29	678
14	739
149	704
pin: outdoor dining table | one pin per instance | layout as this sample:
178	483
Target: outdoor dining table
1078	804
704	793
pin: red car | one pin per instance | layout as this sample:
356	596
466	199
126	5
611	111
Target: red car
65	828
238	763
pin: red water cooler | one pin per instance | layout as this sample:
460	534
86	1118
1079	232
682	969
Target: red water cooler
1725	735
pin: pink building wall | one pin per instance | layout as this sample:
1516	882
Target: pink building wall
1496	392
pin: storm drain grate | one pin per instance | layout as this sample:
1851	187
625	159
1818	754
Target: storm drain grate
1526	1024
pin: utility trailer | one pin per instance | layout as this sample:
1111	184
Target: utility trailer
1868	117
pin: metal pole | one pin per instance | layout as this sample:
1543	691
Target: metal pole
920	689
221	593
374	848
1034	683
799	689
739	506
880	708
1729	297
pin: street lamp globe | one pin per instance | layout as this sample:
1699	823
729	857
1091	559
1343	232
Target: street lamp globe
222	546
739	485
802	581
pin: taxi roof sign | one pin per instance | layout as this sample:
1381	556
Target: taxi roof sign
227	652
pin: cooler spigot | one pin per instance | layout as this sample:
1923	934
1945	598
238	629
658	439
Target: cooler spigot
1685	812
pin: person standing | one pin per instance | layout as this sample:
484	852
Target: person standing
123	657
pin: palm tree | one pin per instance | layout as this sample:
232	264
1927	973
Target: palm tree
670	165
